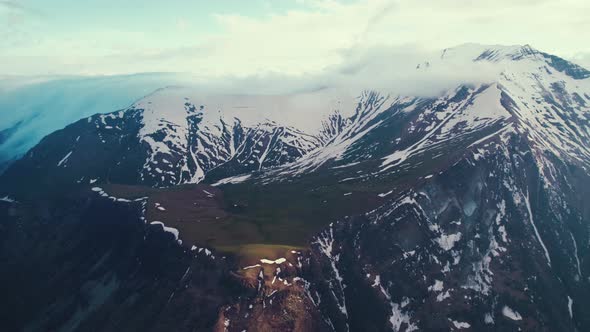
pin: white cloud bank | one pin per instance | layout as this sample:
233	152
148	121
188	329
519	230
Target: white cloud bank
307	41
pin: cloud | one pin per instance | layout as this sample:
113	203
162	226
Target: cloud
11	5
390	70
16	22
583	59
11	14
406	70
307	40
15	8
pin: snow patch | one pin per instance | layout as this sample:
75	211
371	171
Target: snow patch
251	266
232	180
64	160
170	230
530	213
7	199
276	261
447	241
385	194
510	313
460	325
437	287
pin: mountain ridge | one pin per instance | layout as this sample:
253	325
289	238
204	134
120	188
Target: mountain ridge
464	211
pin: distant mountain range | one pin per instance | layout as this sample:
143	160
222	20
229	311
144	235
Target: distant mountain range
312	211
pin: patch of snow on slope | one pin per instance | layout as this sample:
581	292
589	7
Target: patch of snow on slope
64	160
170	230
510	313
233	180
325	242
460	325
476	111
437	287
276	261
576	256
447	241
399	156
385	194
104	194
7	199
485	109
530	213
399	317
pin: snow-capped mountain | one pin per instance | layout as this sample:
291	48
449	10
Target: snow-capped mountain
171	137
483	187
31	108
463	211
200	139
534	94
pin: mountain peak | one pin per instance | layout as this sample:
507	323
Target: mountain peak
494	53
512	54
476	195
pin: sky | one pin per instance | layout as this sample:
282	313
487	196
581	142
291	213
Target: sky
237	38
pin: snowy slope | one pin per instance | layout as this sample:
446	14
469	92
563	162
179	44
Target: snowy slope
188	135
533	93
176	135
491	231
549	96
35	107
463	211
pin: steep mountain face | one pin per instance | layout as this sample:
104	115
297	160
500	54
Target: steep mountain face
491	232
488	244
109	272
163	140
465	211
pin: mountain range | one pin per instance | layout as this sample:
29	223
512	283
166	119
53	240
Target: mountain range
311	211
